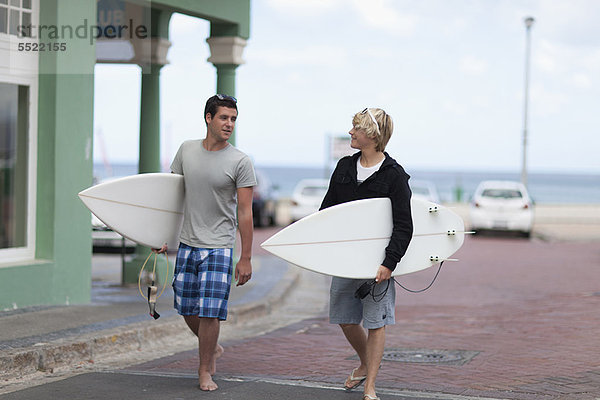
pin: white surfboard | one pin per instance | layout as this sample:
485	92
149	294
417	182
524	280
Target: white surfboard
349	240
145	208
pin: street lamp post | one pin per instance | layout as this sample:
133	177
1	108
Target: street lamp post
528	23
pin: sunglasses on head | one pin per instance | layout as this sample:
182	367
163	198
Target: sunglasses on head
368	111
225	97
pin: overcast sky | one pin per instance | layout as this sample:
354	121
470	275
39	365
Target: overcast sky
449	72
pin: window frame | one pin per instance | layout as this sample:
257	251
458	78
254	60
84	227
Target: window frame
19	9
22	70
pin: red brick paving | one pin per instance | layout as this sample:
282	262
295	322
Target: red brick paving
531	308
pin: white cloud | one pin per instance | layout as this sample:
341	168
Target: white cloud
304	7
547	57
473	65
184	25
481	101
454	26
454	107
316	55
581	81
447	71
382	15
569	23
546	102
591	61
564	67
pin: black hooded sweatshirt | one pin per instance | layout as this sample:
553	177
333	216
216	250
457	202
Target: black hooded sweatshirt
390	181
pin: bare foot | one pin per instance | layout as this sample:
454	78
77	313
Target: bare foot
218	353
206	383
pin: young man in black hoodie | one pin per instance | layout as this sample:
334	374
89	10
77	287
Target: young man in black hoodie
370	173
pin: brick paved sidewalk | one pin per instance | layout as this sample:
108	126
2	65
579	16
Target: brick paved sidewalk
528	311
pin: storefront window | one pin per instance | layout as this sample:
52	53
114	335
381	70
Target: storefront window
3	19
13	165
13	15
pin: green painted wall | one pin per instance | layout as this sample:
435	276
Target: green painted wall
61	273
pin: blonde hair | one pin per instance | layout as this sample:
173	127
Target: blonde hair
385	126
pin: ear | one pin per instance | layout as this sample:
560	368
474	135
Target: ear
207	118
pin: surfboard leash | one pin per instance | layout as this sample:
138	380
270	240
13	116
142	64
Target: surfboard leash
428	286
152	289
368	288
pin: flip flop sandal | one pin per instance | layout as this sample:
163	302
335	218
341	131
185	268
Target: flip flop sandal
369	397
358	379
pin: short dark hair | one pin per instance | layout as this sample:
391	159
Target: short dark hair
219	100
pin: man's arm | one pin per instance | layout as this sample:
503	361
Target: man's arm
243	269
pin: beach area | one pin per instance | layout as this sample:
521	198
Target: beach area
567	206
563	222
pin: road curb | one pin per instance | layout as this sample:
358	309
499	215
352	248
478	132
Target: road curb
136	337
86	348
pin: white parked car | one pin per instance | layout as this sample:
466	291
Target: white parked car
104	239
424	190
502	205
307	197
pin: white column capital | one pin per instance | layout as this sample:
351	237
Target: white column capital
151	51
226	49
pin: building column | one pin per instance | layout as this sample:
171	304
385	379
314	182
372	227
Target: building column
151	58
151	64
149	147
226	78
226	55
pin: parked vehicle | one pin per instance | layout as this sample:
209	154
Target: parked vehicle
424	190
263	201
503	206
104	239
307	197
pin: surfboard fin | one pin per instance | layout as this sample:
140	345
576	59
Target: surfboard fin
438	259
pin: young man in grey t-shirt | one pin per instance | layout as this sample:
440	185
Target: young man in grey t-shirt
217	178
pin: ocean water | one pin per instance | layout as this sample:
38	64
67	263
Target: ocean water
543	187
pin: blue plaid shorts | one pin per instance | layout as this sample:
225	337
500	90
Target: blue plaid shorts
202	281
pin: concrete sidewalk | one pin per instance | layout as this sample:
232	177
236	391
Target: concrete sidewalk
117	321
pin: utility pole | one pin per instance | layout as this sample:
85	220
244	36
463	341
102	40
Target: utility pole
528	23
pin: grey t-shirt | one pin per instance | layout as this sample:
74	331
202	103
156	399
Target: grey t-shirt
211	180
